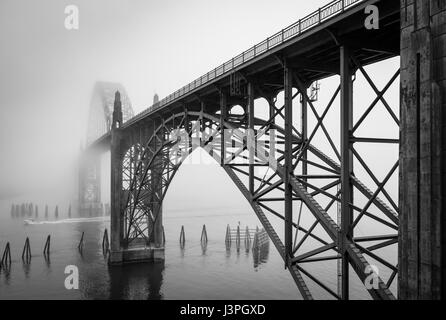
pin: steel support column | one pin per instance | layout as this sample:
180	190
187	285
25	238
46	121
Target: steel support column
223	116
288	97
251	136
304	132
346	165
157	193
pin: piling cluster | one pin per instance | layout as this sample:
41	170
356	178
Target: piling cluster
30	210
80	246
26	254
23	210
5	262
182	238
251	238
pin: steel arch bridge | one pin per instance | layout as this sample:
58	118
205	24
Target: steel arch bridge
279	164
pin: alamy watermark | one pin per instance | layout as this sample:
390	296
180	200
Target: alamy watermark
372	279
71	17
72	280
240	146
372	20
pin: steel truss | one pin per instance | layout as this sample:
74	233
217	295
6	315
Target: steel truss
284	167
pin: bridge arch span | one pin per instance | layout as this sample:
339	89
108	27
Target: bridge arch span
163	152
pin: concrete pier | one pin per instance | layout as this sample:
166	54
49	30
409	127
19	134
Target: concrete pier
422	245
138	250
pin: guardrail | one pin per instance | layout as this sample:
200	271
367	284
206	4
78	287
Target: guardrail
301	26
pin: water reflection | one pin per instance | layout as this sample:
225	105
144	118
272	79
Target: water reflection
6	270
137	281
260	254
204	247
47	262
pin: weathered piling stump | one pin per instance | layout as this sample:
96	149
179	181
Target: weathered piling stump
6	257
80	246
26	254
56	212
182	237
260	239
204	236
237	240
105	242
247	239
46	248
228	240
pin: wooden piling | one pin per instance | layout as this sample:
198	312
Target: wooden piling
105	242
255	242
237	240
204	235
228	239
69	211
56	212
182	237
26	254
46	248
81	243
6	258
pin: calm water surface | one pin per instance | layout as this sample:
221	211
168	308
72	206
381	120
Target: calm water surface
192	273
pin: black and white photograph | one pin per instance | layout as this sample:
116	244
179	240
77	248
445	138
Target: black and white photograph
226	155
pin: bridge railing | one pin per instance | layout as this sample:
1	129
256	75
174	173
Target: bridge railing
303	25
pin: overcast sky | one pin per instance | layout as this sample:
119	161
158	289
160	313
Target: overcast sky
47	72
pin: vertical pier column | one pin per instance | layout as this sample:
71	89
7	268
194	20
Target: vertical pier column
117	227
223	117
304	130
251	136
157	205
346	165
422	184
